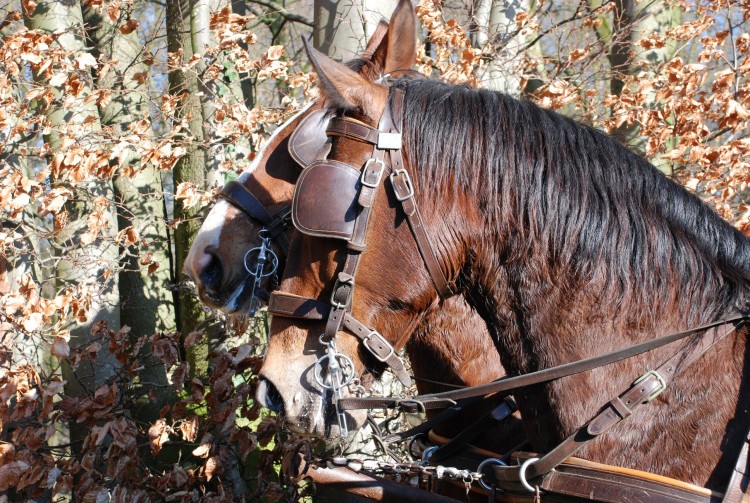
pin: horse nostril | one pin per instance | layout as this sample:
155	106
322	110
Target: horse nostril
212	273
269	397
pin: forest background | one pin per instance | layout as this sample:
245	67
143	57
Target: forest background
121	119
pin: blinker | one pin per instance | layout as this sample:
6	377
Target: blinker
307	141
325	200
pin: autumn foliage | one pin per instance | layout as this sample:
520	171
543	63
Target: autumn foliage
683	101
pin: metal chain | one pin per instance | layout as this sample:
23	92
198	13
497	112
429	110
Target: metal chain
404	469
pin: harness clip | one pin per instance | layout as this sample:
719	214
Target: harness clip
367	175
658	377
401	181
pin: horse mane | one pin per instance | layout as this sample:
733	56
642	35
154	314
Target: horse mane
592	207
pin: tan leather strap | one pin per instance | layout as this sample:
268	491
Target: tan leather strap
341	126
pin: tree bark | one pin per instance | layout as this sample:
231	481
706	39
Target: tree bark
88	266
342	28
496	33
189	168
630	22
146	303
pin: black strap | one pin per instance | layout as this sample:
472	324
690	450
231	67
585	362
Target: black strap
239	196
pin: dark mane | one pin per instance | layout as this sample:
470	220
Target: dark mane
593	207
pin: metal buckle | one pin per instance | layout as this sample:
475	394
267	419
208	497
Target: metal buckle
655	374
407	182
385	343
389	141
342	279
364	179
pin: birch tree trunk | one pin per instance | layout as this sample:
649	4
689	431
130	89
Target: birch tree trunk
496	33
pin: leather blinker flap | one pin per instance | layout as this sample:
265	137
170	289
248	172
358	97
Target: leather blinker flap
309	138
325	200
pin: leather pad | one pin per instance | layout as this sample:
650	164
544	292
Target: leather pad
309	138
325	200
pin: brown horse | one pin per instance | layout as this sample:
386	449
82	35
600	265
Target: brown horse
454	337
565	242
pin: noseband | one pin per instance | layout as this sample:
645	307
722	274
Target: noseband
349	221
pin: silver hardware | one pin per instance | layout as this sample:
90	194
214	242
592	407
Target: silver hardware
522	474
381	168
374	333
348	280
340	373
407	181
382	78
658	377
389	141
487	462
427	454
260	262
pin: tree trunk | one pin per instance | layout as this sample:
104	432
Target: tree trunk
341	29
91	266
630	23
189	168
146	303
496	33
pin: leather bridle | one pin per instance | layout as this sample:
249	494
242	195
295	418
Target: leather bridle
386	161
260	262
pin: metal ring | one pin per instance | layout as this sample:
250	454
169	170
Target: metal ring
346	379
427	453
486	462
522	474
272	262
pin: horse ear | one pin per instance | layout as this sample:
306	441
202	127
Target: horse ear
375	40
399	49
345	88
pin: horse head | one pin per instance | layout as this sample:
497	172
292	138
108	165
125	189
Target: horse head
251	215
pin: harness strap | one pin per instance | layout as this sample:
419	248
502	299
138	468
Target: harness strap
341	126
641	392
403	188
737	489
429	401
293	306
239	196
